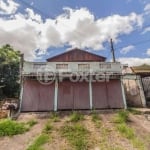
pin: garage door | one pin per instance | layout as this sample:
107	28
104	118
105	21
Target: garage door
37	97
73	95
107	94
99	95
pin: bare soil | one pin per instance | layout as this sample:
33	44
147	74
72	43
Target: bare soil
101	138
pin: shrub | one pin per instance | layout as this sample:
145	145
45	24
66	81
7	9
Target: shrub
9	128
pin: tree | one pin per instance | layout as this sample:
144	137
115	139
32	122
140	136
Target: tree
9	72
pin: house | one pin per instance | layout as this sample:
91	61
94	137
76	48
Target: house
73	80
137	85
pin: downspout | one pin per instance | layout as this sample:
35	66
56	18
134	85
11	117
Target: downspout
90	93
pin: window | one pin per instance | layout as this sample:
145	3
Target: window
105	66
61	66
83	67
37	66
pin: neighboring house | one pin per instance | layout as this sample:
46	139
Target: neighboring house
137	85
72	80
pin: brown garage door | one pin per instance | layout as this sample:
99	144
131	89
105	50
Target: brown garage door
99	95
73	95
37	97
115	94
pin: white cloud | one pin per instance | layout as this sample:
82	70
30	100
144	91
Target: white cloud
146	30
75	27
127	49
147	8
132	61
148	52
8	7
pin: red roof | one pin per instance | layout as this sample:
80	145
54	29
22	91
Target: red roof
76	55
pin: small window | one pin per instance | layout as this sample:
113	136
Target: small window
37	66
105	66
61	66
82	67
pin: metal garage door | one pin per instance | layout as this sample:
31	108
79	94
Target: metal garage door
37	97
107	94
73	95
99	95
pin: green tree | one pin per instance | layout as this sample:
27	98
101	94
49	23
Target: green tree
9	72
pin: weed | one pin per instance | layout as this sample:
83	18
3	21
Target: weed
121	117
134	111
96	119
76	116
121	125
32	123
76	135
48	128
54	117
10	127
39	141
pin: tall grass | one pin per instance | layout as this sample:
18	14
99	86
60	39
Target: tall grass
77	136
76	116
39	141
10	127
121	121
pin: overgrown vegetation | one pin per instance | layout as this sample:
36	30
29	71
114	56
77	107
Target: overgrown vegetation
39	141
10	127
96	119
48	128
76	116
77	135
54	117
121	120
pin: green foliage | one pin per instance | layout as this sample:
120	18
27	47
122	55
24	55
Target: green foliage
76	116
9	128
54	117
77	136
134	111
39	141
48	128
121	117
121	125
96	119
32	123
9	72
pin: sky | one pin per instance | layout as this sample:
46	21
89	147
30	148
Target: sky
44	28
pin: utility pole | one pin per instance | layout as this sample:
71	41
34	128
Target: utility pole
112	50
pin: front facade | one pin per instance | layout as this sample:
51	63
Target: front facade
73	80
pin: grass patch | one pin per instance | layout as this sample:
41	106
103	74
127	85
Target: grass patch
48	128
120	121
9	127
77	135
121	117
31	123
96	119
54	117
76	116
134	111
39	141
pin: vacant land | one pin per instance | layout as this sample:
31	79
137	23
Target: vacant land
94	130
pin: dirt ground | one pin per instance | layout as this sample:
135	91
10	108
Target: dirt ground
140	123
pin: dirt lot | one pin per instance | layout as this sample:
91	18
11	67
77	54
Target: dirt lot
105	137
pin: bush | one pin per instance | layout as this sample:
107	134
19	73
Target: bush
9	128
